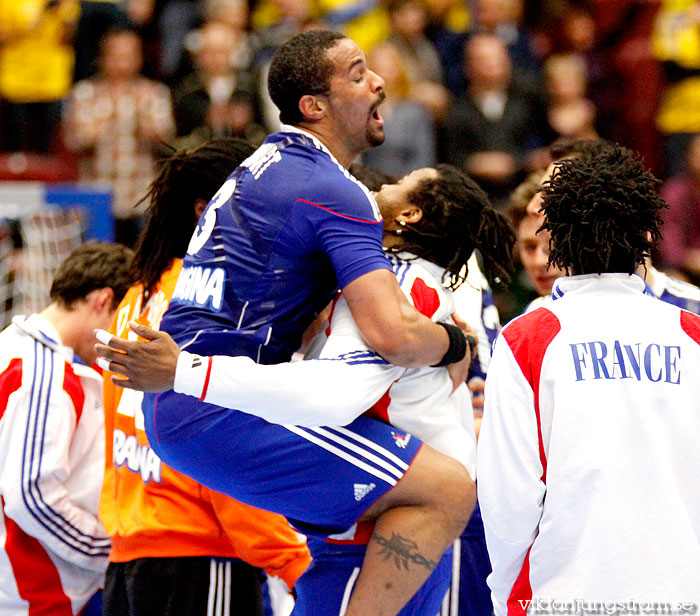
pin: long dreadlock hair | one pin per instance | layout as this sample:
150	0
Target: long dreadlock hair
603	212
185	177
457	219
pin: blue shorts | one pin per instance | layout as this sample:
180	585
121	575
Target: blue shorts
321	479
325	587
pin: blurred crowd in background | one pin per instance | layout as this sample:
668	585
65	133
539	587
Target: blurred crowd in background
98	90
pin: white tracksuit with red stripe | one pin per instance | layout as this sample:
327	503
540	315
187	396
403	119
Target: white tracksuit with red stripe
53	549
349	378
589	456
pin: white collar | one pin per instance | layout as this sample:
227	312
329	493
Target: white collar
288	128
43	331
599	284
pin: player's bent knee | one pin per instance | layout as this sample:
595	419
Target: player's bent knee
435	481
455	494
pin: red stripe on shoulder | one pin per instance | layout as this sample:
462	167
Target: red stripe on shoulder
521	593
690	324
74	389
371	222
10	382
425	299
528	338
37	578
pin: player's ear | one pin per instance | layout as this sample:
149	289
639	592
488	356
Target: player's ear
409	215
312	107
100	300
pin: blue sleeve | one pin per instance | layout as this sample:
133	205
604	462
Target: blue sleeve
346	224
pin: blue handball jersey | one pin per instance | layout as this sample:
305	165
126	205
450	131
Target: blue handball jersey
288	228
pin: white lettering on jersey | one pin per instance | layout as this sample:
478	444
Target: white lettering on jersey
261	159
201	286
138	458
156	306
208	219
130	406
654	362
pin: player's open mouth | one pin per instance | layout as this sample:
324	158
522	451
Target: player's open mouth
376	116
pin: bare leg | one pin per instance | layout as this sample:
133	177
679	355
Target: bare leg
416	522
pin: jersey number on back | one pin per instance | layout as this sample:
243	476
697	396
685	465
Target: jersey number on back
208	220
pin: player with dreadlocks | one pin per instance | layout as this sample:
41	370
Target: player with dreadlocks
434	219
659	284
588	450
184	543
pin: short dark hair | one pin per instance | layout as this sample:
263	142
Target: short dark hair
184	177
300	67
94	265
457	219
118	30
603	212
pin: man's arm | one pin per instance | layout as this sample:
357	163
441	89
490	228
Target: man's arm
317	392
395	329
309	393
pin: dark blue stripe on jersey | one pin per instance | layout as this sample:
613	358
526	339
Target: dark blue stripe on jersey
691	305
378	360
55	525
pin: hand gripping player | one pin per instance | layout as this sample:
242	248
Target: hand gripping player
287	229
441	215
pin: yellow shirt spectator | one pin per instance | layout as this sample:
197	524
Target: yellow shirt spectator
36	57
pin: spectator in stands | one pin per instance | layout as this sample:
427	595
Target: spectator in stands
409	142
448	22
36	69
54	550
365	22
409	21
217	99
170	534
504	19
676	43
631	79
680	245
497	123
96	18
115	122
570	114
290	17
286	18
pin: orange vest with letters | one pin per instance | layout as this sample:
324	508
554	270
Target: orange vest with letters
150	510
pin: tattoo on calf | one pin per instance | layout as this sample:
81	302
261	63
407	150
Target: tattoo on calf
402	551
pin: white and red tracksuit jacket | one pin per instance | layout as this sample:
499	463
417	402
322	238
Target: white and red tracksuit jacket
53	550
349	378
589	456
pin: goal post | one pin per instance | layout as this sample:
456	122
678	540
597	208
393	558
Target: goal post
43	223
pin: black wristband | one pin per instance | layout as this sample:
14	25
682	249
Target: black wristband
458	345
